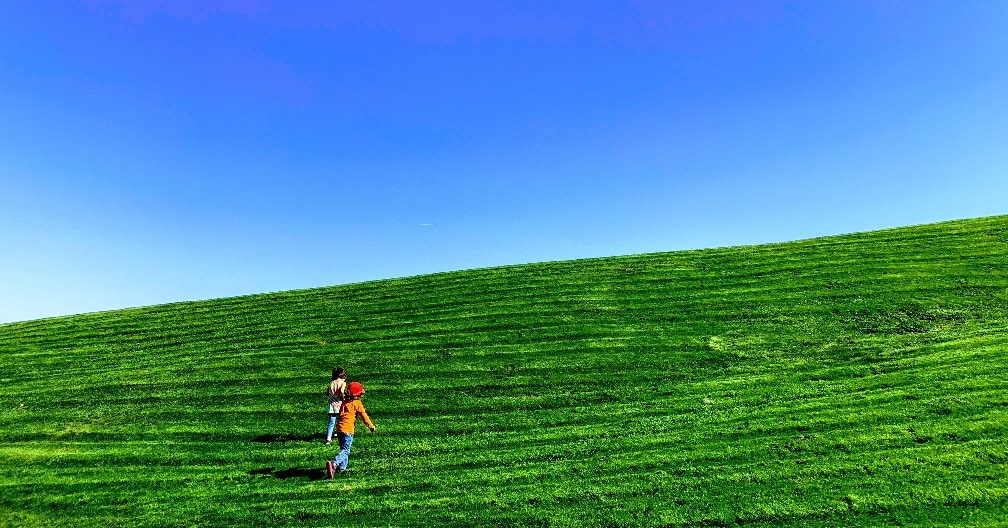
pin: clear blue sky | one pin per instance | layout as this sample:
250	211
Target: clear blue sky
163	151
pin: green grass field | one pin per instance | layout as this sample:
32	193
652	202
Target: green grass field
857	380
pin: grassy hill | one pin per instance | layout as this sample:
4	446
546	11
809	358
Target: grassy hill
851	380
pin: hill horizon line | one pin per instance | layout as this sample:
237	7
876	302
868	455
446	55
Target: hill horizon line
494	267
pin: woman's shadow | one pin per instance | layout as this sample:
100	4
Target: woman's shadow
277	438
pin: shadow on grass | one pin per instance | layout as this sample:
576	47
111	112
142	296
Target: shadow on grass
311	474
278	438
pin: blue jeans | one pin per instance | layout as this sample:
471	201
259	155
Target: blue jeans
343	458
332	423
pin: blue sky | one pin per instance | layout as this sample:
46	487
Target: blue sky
153	152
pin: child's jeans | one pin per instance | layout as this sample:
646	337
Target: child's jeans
343	458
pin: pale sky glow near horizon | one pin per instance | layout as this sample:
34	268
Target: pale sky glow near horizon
154	152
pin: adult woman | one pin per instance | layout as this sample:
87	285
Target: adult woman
336	393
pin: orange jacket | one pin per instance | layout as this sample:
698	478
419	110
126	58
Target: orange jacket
348	416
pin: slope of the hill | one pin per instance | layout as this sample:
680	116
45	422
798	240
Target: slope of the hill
850	380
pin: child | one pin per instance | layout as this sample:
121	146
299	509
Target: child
336	393
352	407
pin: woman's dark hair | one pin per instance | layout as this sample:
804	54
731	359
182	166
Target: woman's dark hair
337	373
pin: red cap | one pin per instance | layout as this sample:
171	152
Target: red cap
356	388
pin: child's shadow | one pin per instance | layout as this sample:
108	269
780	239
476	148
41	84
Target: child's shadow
311	474
293	473
275	438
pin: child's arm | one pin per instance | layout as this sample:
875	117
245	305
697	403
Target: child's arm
366	418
